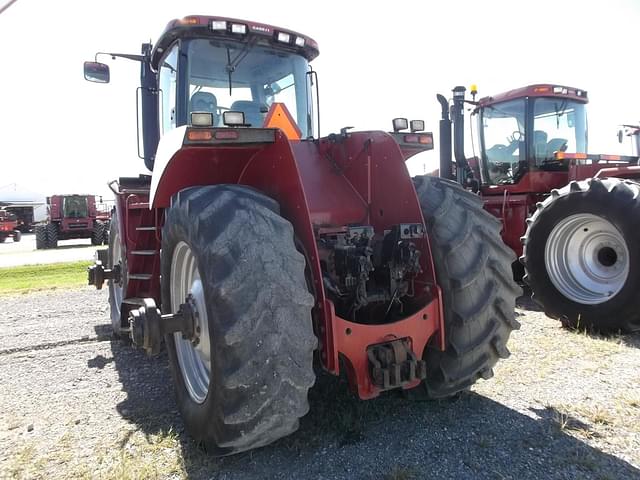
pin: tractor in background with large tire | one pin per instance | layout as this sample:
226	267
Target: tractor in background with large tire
9	226
573	217
72	217
255	246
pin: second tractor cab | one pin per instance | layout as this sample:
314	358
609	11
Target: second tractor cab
573	217
256	246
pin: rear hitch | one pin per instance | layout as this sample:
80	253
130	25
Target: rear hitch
393	364
148	325
98	274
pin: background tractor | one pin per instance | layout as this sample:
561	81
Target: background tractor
573	217
9	226
72	217
256	245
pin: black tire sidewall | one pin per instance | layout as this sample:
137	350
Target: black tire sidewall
600	203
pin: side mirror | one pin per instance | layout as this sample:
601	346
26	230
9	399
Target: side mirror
620	136
96	72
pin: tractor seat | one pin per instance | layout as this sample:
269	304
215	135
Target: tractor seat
556	145
254	112
540	145
204	102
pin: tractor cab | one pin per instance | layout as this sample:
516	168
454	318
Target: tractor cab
527	131
221	73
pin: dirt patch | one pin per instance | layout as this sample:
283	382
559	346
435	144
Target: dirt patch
77	404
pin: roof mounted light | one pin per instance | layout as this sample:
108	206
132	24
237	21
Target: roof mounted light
560	90
239	28
202	119
300	42
417	125
218	25
283	37
400	124
233	119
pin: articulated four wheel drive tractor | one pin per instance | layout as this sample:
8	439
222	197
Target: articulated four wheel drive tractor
573	217
256	247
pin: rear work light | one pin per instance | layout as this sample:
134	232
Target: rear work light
232	118
238	28
218	25
416	125
400	124
300	42
283	37
202	119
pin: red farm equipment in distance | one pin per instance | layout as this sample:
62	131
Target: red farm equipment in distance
9	226
257	247
72	217
573	217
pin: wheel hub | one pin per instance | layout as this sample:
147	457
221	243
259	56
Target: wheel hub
587	259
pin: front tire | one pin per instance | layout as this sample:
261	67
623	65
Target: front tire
17	236
473	269
582	255
245	383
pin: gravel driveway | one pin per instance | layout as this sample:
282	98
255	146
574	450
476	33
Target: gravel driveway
76	404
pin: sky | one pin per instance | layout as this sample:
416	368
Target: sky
378	60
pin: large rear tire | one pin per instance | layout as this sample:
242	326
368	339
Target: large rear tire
473	269
244	385
41	237
582	255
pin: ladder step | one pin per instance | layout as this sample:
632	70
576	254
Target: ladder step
144	252
145	229
140	276
140	205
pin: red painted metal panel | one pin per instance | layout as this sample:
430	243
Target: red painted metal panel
358	179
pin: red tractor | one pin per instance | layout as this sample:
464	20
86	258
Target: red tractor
9	226
256	245
72	217
572	217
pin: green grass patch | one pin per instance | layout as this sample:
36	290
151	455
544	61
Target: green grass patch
29	278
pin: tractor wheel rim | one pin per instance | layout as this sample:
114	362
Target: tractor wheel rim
587	259
194	355
118	292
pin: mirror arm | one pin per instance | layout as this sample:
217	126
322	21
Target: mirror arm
128	56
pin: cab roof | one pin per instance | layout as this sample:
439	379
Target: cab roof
200	26
537	90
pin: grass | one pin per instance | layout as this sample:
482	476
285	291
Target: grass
29	278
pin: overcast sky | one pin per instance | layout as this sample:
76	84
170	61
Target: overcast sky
378	60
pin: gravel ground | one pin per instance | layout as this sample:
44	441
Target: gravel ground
76	404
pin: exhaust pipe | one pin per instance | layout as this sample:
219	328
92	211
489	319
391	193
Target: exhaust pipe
458	134
446	164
